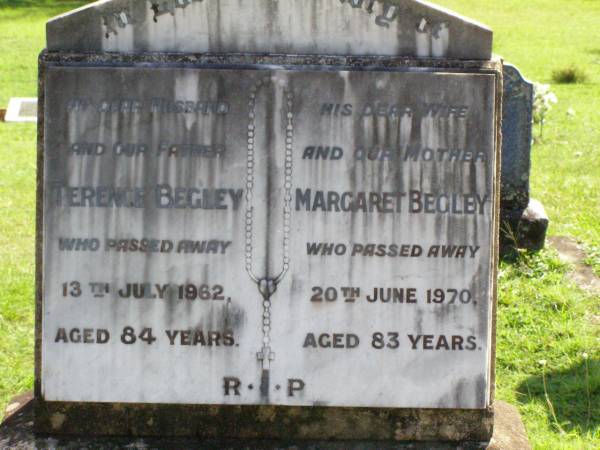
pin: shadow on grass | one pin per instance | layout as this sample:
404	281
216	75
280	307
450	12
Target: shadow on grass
575	397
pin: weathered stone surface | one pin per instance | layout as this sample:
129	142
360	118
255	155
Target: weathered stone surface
316	421
264	422
17	431
338	27
16	404
145	205
517	123
524	229
509	431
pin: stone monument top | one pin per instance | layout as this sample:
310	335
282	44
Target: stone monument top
411	28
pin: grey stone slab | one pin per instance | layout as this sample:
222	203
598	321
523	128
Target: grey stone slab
147	167
517	126
17	433
263	422
509	430
338	27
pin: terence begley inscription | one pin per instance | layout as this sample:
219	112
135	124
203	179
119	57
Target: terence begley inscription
163	196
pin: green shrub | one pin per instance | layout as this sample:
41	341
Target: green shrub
569	75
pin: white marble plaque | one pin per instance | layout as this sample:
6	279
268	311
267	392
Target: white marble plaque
288	237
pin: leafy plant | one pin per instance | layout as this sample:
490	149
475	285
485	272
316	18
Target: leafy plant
543	100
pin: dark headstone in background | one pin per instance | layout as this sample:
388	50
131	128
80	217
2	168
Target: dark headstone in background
517	122
524	222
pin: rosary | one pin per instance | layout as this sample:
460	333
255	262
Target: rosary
267	284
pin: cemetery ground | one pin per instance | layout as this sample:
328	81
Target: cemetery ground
548	354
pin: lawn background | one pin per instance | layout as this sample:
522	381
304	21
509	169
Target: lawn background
545	325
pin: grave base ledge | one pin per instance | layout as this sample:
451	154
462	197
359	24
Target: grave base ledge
265	422
17	431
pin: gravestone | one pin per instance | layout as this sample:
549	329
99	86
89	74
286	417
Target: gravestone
267	219
517	135
21	109
524	221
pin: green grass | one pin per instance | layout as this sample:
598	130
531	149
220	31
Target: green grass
21	39
17	181
542	316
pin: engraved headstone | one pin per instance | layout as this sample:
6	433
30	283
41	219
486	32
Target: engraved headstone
291	243
517	127
524	220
